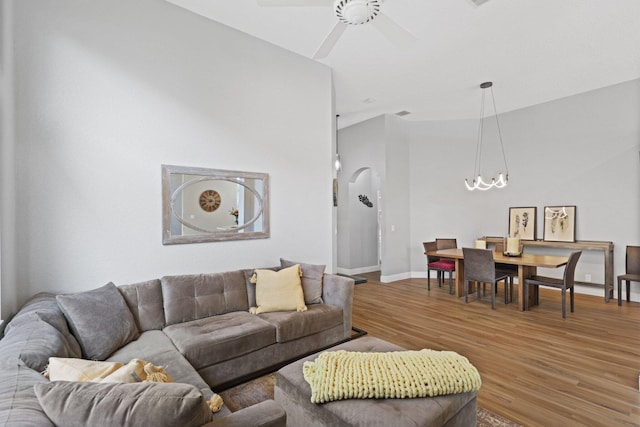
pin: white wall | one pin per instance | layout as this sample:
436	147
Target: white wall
581	150
108	91
396	231
8	268
361	146
382	145
363	224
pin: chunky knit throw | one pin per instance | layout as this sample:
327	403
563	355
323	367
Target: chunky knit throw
337	375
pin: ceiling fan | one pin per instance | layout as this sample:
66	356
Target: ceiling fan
351	12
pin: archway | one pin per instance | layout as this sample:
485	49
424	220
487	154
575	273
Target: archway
364	213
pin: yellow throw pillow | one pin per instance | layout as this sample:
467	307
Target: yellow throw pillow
278	290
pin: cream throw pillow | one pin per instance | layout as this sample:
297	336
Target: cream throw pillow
69	369
137	370
278	290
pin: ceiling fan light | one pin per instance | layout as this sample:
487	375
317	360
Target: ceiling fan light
356	12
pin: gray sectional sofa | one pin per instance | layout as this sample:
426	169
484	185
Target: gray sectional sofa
197	326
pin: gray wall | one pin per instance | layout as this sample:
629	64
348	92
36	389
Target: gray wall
107	91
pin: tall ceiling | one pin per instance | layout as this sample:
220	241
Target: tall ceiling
534	51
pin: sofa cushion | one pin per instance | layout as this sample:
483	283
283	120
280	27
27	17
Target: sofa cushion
72	404
17	398
15	375
197	296
156	347
21	409
100	320
145	302
311	280
35	341
208	341
291	325
45	306
279	291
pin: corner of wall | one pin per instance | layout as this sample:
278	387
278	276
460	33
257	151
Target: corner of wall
8	292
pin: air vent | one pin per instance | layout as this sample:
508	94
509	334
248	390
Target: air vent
403	113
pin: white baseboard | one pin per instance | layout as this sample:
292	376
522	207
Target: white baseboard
395	277
354	271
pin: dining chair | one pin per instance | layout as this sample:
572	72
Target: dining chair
449	243
567	282
508	269
479	267
632	271
439	265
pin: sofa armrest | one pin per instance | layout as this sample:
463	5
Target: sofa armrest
263	414
338	291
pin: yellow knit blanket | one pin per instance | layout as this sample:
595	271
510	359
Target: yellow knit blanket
337	375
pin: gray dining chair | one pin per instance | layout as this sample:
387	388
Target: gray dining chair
446	243
508	269
567	282
479	267
632	271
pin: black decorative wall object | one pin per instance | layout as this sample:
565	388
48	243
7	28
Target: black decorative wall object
365	200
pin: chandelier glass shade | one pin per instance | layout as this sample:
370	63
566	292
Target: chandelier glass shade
503	178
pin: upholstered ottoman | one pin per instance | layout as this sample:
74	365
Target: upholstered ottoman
294	394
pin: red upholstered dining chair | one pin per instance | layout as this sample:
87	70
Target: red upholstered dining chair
632	271
448	243
480	267
567	282
438	265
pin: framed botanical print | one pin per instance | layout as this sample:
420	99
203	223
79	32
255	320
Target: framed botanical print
522	222
560	223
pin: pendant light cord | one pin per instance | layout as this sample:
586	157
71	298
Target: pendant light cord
495	111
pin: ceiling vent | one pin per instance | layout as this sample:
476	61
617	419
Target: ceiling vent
403	113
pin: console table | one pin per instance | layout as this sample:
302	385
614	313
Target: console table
589	245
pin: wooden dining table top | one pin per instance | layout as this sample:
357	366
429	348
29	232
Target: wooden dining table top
533	260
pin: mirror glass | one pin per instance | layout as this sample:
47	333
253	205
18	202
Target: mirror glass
206	205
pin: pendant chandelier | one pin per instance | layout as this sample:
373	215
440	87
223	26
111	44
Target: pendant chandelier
478	183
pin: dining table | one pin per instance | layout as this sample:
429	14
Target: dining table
527	267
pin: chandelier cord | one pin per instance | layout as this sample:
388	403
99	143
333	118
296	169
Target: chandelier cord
478	163
495	111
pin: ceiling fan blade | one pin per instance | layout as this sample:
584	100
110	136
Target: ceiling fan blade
286	3
330	41
478	2
394	32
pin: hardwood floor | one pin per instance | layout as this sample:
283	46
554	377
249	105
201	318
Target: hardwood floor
537	369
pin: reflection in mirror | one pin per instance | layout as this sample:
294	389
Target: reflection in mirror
205	205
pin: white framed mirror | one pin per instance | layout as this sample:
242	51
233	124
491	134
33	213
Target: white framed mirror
207	205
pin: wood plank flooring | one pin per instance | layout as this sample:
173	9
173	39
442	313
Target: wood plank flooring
537	369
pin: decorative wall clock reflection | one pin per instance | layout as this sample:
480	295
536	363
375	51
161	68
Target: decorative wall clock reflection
210	200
